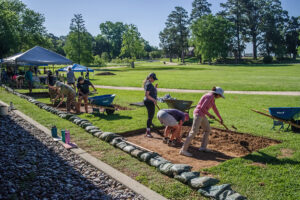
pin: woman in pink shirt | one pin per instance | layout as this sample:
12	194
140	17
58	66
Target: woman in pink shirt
201	111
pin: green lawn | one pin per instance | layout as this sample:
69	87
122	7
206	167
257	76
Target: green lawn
279	77
278	175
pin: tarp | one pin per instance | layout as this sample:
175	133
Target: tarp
37	56
75	68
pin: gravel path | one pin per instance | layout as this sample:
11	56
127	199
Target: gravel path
33	166
281	93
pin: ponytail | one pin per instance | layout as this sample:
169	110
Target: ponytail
144	82
214	89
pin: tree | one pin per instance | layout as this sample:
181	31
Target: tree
177	23
101	45
212	36
292	36
234	12
199	8
132	44
273	24
168	39
113	33
57	43
79	42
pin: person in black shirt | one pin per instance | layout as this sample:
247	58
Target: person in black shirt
51	83
150	100
83	90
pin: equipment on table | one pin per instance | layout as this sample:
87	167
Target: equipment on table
282	115
181	105
104	101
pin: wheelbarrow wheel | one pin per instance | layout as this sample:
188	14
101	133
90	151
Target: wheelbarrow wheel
110	111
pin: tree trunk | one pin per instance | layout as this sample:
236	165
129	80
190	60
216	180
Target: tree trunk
254	43
182	56
132	64
171	57
294	56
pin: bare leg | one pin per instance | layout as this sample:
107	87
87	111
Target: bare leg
85	98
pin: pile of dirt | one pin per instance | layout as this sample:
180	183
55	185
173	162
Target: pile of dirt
105	74
225	145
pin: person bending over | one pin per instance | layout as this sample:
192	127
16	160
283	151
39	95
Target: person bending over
173	120
83	90
201	111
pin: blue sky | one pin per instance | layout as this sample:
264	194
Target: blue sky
148	15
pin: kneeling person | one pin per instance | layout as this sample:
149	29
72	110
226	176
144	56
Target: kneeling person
173	120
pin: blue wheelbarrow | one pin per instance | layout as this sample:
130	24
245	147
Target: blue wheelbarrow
282	115
103	101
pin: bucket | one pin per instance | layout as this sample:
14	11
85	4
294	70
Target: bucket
3	110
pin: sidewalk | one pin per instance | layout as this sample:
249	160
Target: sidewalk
281	93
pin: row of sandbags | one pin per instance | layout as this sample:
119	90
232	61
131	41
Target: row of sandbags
181	172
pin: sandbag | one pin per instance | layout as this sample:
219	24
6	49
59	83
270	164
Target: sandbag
214	191
185	177
225	194
69	116
88	128
108	136
166	169
121	145
179	168
93	131
77	121
235	196
97	134
129	148
201	182
83	121
116	140
147	156
86	124
137	153
157	161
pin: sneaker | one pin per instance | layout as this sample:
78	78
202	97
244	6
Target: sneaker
166	140
185	153
148	134
202	149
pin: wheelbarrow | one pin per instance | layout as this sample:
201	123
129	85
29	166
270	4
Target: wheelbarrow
282	115
103	101
181	105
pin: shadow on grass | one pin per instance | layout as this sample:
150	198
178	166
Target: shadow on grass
112	117
267	159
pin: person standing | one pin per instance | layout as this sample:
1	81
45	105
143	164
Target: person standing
201	111
83	90
50	81
71	78
173	120
87	74
150	100
62	91
28	78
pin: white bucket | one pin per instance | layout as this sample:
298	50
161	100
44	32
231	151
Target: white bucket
3	110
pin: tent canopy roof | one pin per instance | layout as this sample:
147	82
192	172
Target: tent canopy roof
38	56
75	68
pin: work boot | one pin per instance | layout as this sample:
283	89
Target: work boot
185	153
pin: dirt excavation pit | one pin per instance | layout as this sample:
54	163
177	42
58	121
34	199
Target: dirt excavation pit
225	145
62	107
105	74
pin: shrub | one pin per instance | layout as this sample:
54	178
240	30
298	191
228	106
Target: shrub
105	56
98	61
268	59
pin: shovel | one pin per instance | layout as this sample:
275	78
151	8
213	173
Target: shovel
225	125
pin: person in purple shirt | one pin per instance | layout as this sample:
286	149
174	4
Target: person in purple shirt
173	120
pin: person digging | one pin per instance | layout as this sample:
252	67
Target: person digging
201	111
62	91
173	120
83	90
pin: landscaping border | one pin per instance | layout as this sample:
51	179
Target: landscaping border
181	172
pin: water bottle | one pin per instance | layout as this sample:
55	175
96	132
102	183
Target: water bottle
54	131
67	136
63	135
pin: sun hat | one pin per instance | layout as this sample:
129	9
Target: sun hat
219	91
153	75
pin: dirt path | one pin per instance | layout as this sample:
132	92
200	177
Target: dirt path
281	93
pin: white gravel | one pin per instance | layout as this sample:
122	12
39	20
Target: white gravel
33	166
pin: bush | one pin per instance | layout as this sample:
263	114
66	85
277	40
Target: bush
268	59
105	56
98	61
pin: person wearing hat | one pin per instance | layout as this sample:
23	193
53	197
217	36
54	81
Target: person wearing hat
201	111
172	119
62	91
83	90
150	99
